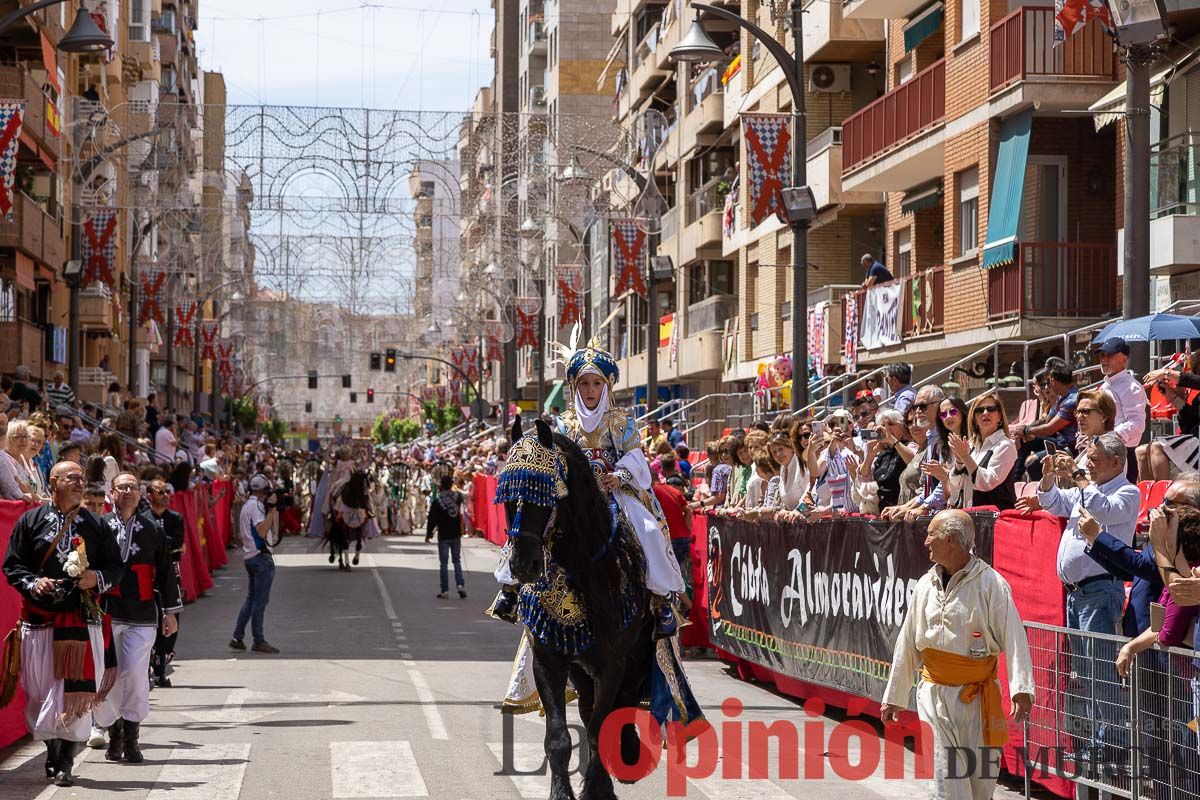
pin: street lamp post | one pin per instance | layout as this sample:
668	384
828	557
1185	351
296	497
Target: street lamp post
696	46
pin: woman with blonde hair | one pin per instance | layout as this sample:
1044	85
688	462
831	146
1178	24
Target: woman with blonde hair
14	479
985	473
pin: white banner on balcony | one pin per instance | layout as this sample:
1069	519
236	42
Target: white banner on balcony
881	316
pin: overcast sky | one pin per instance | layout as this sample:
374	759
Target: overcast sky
428	55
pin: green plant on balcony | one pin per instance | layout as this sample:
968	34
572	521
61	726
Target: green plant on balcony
724	188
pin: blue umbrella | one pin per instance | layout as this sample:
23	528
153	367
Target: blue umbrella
1154	327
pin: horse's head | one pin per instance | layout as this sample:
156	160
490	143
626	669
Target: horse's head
531	484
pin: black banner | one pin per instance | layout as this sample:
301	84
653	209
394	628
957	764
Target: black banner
820	602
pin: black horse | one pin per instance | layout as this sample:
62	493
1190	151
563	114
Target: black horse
579	538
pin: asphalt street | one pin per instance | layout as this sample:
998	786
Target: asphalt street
383	691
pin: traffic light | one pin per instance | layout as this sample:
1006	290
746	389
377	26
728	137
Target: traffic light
345	381
308	407
354	397
312	379
376	360
370	395
390	360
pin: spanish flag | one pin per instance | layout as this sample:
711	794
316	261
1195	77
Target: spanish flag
666	326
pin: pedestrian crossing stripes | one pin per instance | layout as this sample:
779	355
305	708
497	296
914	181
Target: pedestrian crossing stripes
202	772
375	769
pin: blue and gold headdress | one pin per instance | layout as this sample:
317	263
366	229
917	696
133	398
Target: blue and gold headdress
578	359
532	474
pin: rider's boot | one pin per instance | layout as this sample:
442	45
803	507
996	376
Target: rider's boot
505	605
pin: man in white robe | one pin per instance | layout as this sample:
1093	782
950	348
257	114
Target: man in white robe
961	618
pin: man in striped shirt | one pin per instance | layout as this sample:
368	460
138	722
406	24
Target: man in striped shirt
60	393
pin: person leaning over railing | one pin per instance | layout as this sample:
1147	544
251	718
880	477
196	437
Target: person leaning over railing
883	461
1181	522
719	475
835	467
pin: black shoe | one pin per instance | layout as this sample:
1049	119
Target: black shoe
331	558
116	741
462	593
504	607
264	647
665	624
163	682
63	775
443	596
355	561
237	644
52	750
133	753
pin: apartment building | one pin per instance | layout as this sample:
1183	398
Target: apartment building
725	306
33	245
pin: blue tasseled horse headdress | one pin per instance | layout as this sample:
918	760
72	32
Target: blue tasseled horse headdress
533	474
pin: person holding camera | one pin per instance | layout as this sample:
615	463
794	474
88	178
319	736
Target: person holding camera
257	524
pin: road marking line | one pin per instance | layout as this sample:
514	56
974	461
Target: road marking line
375	769
388	608
433	717
206	778
526	757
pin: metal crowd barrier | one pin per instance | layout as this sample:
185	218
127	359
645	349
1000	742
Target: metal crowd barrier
1129	737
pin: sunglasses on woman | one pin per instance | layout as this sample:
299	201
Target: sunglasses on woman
948	414
987	409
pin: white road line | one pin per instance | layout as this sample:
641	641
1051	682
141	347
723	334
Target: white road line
526	757
388	608
198	778
433	717
375	769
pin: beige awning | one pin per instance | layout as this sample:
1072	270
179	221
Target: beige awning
614	52
1107	109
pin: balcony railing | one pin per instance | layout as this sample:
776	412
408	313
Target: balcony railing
1056	279
896	117
710	313
33	231
17	82
922	302
707	199
1175	176
1023	46
24	343
669	224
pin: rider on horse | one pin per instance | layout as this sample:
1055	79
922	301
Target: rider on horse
609	437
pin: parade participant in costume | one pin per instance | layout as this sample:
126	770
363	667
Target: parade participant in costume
135	616
960	620
350	519
60	558
173	530
609	438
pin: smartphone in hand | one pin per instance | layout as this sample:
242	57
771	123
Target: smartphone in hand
1051	448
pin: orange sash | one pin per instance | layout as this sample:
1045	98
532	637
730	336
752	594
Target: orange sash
977	677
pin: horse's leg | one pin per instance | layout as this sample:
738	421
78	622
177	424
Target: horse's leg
550	676
585	687
597	783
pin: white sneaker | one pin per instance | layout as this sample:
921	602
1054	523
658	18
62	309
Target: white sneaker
96	740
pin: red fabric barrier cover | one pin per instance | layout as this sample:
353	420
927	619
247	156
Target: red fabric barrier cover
222	511
12	717
489	517
696	634
194	564
213	545
1026	550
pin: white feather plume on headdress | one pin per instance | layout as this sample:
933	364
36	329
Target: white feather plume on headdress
565	352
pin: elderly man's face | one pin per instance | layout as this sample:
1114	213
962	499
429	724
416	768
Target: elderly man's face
1101	466
943	548
66	482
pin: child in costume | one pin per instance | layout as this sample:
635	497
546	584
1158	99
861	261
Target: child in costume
609	438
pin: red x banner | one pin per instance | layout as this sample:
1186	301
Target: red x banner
225	359
185	316
767	167
628	242
100	247
151	308
527	328
208	336
568	303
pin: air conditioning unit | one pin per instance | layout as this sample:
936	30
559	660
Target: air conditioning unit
829	78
